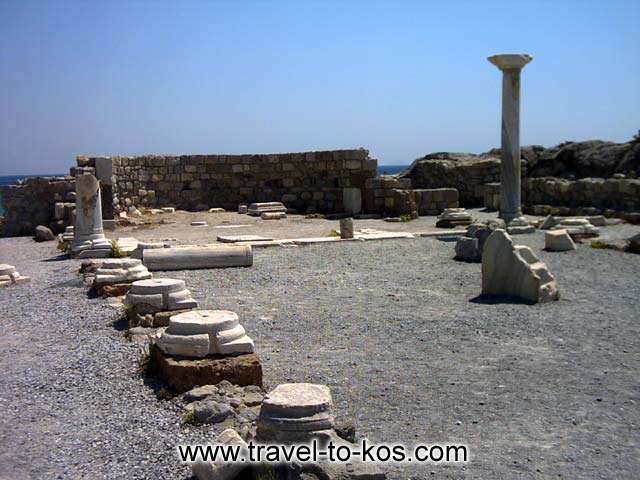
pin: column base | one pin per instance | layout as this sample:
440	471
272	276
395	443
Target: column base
519	226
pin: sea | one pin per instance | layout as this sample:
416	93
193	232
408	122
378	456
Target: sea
9	179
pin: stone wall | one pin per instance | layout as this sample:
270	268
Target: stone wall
390	195
464	172
308	181
31	202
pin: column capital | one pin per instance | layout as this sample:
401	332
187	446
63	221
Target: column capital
510	61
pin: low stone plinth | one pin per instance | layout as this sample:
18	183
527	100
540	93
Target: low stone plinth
9	276
454	217
257	209
295	412
159	294
183	374
202	333
578	228
273	215
119	271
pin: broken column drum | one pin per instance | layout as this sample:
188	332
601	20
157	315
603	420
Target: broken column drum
295	412
159	294
120	270
187	258
511	66
202	333
87	232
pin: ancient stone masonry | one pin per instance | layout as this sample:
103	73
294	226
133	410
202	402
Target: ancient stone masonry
152	302
88	234
394	196
32	202
301	181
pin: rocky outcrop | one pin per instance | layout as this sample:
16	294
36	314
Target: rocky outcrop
514	271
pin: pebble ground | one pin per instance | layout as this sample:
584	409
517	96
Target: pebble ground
395	328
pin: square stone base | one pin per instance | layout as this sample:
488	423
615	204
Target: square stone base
183	374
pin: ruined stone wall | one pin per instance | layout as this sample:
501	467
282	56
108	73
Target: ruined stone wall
618	194
390	195
31	202
313	181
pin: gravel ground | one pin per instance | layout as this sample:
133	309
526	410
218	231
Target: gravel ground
395	328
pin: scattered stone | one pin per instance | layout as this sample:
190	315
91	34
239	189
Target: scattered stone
186	258
454	217
200	393
257	209
634	244
219	470
514	271
295	412
598	220
393	219
211	411
9	275
273	215
468	249
346	228
242	238
202	333
199	223
577	228
548	223
168	209
558	241
116	290
142	246
43	234
520	226
88	233
243	208
217	210
184	374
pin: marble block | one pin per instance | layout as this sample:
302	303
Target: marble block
159	294
9	276
295	412
257	209
120	270
514	271
558	241
187	258
273	215
200	333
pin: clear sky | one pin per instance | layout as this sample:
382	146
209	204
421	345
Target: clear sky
400	78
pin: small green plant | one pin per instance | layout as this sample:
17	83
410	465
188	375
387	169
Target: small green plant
405	217
64	247
334	233
116	251
188	418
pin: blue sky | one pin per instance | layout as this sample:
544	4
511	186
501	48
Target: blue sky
399	78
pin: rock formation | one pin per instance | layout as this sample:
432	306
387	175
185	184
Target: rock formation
514	271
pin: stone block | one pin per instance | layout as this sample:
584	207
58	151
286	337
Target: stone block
558	241
514	271
184	374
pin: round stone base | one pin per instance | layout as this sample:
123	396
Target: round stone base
183	374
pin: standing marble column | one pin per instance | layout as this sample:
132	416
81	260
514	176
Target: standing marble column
511	65
88	235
